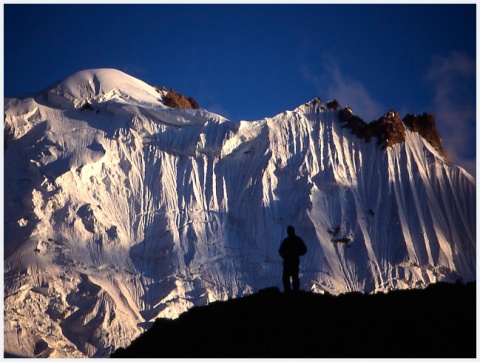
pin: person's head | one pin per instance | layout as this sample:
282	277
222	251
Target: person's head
290	230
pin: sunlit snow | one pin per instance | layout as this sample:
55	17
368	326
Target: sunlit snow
119	210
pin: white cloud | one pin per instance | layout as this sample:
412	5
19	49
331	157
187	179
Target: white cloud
333	84
453	81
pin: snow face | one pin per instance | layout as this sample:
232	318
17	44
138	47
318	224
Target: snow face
101	85
121	210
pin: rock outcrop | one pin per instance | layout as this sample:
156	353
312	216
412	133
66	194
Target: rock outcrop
176	100
426	127
390	129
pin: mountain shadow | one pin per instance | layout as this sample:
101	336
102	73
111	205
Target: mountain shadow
439	321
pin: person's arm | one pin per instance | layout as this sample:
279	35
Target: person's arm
303	247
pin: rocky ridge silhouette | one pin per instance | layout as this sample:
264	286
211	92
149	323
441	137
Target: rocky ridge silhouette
436	322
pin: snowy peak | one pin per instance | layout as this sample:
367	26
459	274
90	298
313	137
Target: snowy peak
100	85
113	97
93	86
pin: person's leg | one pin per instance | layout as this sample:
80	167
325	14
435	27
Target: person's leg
295	278
286	280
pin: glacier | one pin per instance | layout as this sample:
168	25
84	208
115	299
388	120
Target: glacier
120	210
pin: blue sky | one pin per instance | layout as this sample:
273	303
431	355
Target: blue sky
254	61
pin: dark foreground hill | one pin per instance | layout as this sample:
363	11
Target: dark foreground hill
439	321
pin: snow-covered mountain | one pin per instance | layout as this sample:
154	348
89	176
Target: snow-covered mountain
120	209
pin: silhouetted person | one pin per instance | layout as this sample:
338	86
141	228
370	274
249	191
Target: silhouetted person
291	249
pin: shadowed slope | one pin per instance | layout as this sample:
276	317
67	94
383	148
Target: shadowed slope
436	322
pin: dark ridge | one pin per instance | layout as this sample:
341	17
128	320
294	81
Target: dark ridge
389	129
333	105
426	127
355	123
176	100
436	322
314	102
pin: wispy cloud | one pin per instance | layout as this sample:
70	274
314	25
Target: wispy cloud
452	78
208	98
332	83
215	107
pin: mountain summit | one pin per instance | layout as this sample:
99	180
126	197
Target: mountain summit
123	209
